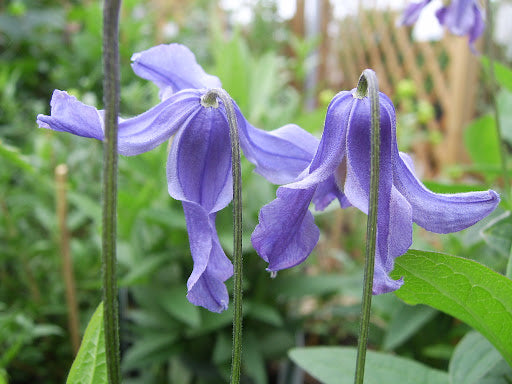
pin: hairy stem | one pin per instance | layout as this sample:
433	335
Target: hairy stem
369	85
236	357
109	192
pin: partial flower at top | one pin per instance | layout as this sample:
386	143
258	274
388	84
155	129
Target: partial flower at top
286	233
461	17
199	161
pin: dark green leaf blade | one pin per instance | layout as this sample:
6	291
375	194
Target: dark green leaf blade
90	365
462	288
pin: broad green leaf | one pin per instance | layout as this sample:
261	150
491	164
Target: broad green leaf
462	288
476	361
481	141
406	321
90	365
336	365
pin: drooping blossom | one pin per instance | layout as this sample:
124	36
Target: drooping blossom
199	161
286	233
461	17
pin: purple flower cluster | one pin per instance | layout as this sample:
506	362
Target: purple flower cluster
461	17
336	167
199	162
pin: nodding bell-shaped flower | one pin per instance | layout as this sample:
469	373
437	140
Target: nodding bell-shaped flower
199	161
286	233
461	17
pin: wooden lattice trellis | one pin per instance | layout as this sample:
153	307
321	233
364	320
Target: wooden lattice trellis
444	72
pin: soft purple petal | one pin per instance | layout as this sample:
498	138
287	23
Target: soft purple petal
478	26
145	132
199	164
394	216
441	213
172	67
70	115
136	135
458	16
326	192
286	233
331	149
463	17
211	266
412	12
280	155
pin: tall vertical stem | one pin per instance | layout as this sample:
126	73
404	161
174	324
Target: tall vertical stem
368	86
236	358
109	192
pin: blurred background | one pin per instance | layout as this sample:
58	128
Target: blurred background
282	62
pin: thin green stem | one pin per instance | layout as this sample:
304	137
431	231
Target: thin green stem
369	86
209	98
109	192
493	89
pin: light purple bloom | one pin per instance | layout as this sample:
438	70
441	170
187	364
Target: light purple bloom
461	17
199	161
286	233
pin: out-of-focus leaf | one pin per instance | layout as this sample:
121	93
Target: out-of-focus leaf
481	141
295	285
497	233
176	304
90	365
503	73
504	99
153	348
336	365
462	288
264	313
252	359
406	321
14	157
476	361
437	187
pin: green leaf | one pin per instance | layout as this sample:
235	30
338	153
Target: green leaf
252	359
503	73
153	348
481	141
497	234
90	365
298	285
406	321
462	288
13	156
504	100
176	304
336	365
476	361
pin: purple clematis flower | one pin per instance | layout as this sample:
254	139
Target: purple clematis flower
461	17
286	233
199	161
